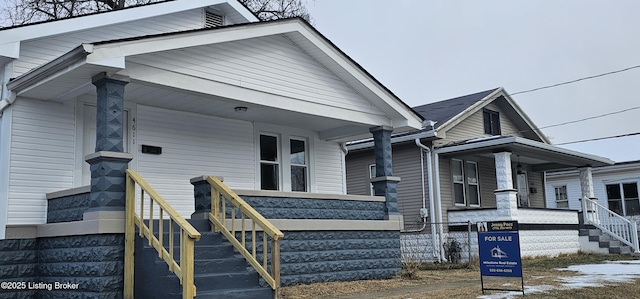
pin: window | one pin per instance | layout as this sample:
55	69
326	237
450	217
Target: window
372	174
471	169
623	198
466	187
562	200
298	159
491	122
269	163
284	163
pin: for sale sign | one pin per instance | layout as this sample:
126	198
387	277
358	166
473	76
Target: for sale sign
499	247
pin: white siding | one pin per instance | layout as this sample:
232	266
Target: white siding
37	52
573	192
270	64
193	145
329	172
42	157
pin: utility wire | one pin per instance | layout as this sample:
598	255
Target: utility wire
577	80
589	118
599	138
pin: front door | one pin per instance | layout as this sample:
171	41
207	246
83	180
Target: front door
523	189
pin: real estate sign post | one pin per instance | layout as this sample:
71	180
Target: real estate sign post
499	251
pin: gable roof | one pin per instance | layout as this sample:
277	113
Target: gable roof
443	111
66	75
12	36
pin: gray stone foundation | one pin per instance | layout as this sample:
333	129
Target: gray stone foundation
93	263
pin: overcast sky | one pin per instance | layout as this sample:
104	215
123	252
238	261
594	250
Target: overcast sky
427	51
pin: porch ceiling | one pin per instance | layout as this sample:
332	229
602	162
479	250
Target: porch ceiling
540	156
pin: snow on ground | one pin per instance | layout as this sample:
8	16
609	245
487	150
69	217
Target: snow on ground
587	276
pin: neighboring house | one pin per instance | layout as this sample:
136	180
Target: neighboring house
478	158
614	186
177	90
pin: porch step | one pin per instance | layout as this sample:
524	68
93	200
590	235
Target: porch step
605	241
219	272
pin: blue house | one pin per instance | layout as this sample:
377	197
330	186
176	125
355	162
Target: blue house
144	150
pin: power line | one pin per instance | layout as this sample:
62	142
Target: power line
577	80
589	118
599	138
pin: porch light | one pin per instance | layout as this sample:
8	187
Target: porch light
519	167
240	109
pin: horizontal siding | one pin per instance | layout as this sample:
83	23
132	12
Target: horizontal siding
488	182
38	52
473	126
446	185
328	170
42	157
358	172
406	165
536	180
193	145
270	64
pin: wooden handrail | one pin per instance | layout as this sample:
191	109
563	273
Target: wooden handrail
220	194
188	235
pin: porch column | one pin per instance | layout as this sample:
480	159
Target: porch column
586	182
108	164
506	196
385	184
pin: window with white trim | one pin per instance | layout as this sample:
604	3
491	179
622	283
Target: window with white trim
562	200
466	184
491	122
623	198
269	162
299	167
284	162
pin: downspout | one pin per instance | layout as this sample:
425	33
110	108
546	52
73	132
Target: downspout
436	165
345	151
432	210
423	211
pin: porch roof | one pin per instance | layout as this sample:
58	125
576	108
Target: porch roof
69	76
540	156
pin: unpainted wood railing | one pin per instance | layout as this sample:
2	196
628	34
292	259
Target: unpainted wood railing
156	204
220	195
616	226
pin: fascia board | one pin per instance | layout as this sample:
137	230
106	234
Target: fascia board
470	110
70	60
394	140
10	49
103	19
521	141
169	42
525	117
108	51
410	118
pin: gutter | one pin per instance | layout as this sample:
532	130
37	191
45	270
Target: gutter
409	137
63	63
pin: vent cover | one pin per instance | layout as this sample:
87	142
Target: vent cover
212	19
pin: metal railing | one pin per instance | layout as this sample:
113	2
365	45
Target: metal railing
156	204
616	226
220	195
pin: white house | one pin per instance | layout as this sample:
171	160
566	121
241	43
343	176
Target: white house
183	89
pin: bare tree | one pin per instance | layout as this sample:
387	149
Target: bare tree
20	12
277	9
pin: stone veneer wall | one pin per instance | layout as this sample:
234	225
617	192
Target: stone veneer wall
67	208
308	208
18	263
319	256
94	262
310	256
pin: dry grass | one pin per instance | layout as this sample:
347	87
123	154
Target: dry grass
465	283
